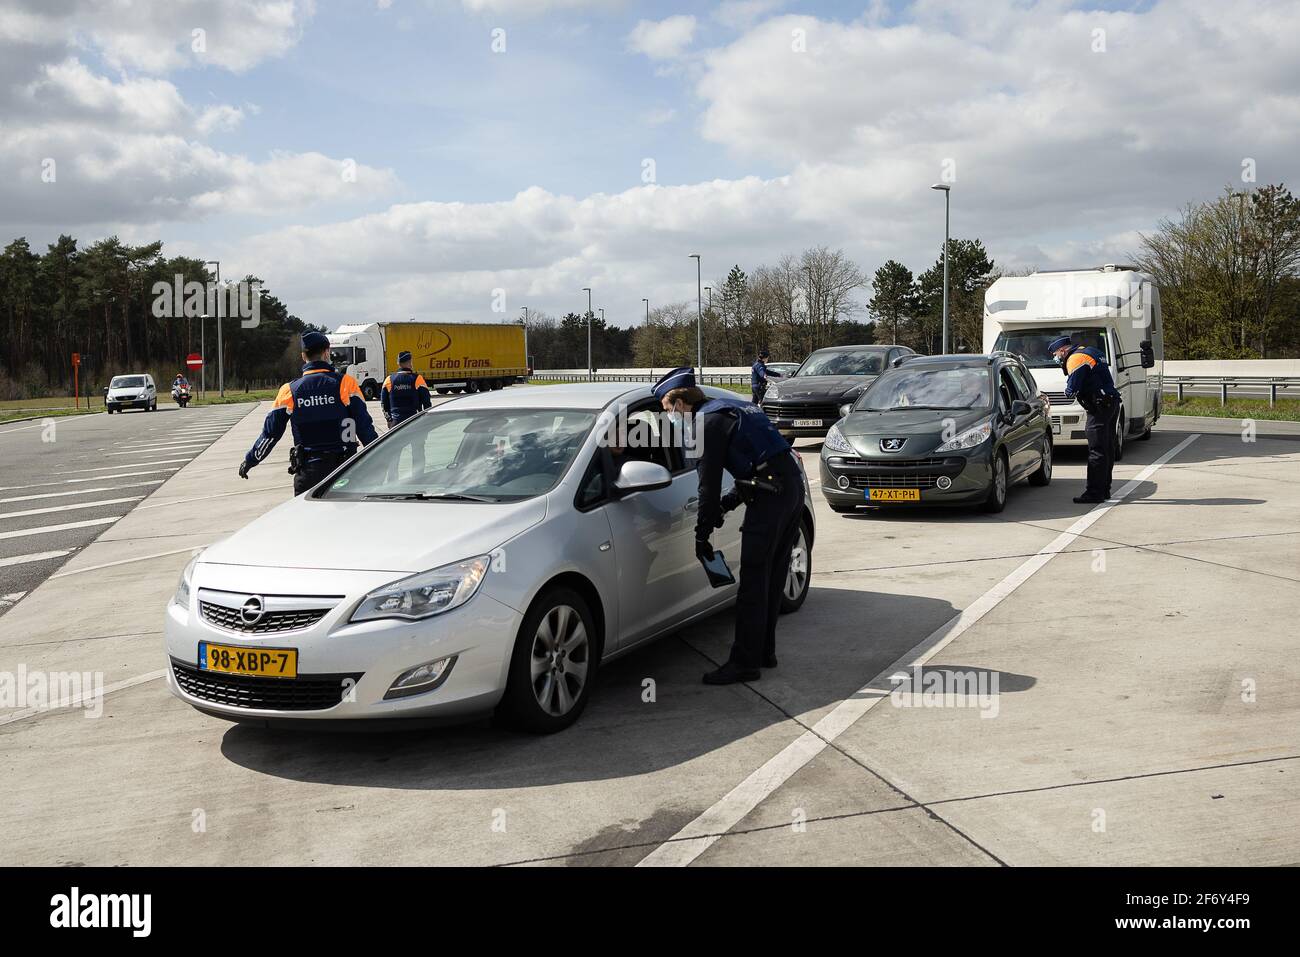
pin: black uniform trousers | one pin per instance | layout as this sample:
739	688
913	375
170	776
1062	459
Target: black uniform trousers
757	392
1100	430
314	466
767	535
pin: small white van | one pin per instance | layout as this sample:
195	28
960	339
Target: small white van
1114	309
131	392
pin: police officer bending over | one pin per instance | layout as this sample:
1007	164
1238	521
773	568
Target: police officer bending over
328	414
404	393
1088	378
735	435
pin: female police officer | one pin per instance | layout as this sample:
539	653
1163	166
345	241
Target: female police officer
732	434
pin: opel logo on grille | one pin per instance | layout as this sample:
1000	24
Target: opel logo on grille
891	445
252	611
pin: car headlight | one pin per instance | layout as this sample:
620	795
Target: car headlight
426	594
968	439
182	596
836	442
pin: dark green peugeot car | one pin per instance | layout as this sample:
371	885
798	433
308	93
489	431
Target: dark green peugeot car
939	430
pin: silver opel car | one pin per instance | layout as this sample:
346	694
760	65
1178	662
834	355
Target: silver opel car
485	556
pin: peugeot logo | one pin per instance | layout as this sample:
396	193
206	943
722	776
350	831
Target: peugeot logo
252	610
891	445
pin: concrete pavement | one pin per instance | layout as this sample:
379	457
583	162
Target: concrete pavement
1145	708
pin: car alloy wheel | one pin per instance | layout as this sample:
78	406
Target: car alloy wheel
1043	474
559	660
799	574
997	499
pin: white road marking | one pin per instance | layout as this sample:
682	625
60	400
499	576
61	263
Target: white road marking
79	491
93	478
11	597
34	557
47	529
703	832
133	465
127	561
166	448
69	508
204	498
23	428
77	701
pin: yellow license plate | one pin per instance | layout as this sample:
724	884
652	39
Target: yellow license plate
894	494
258	662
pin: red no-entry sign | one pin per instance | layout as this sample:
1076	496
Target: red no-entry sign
194	360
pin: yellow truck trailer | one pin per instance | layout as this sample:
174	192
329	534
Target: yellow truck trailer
452	356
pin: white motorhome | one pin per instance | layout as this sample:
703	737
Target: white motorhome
1114	309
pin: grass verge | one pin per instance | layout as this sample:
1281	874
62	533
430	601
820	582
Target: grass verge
1286	410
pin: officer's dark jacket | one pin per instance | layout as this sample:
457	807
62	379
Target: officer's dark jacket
735	435
758	374
404	394
316	404
1087	375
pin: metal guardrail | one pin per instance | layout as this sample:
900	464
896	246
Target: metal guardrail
723	378
1256	383
1176	384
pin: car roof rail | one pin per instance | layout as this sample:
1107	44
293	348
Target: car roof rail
1004	352
901	359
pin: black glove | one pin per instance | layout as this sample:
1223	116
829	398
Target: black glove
243	469
730	502
703	550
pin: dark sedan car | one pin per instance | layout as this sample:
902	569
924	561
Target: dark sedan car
808	403
940	430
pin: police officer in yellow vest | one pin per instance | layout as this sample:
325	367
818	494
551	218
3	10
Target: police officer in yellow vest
327	412
405	392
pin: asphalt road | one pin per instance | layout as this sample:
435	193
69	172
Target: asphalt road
1140	700
67	479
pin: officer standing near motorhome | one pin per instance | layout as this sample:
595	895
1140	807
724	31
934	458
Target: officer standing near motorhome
1088	378
758	376
735	435
327	412
404	393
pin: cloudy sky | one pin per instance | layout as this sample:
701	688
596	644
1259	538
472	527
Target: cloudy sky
378	159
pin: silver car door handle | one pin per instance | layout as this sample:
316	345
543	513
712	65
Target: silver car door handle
692	504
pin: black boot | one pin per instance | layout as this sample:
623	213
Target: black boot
729	674
1087	499
769	661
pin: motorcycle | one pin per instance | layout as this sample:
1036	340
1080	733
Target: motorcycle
181	395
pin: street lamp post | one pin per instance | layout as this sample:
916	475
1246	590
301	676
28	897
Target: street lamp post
947	196
203	353
699	317
587	290
221	357
812	328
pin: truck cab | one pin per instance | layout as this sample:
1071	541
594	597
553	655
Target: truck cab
358	350
1113	309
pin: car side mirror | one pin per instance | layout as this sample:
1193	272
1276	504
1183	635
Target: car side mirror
1020	408
1148	354
641	477
105	390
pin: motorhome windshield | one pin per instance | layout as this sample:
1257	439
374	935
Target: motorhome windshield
1031	344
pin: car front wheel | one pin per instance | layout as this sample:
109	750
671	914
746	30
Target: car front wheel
799	575
997	499
1043	474
553	664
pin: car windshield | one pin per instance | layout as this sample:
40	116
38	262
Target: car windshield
962	388
126	382
1031	344
849	362
476	455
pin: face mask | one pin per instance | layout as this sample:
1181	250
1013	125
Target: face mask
676	418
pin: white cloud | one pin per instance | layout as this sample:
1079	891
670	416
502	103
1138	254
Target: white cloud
130	149
158	35
662	39
742	14
534	7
